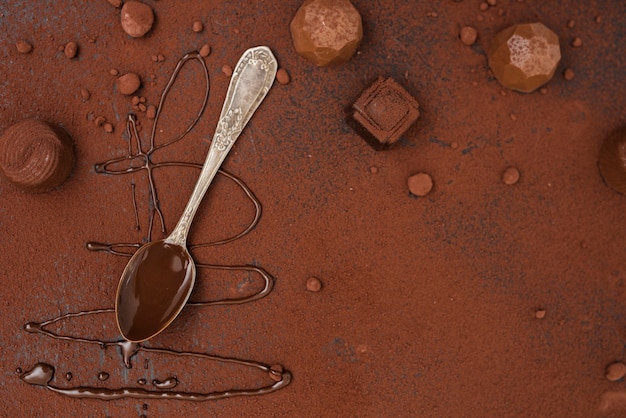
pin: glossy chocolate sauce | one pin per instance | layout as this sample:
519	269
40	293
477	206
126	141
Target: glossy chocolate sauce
169	383
139	158
42	374
155	286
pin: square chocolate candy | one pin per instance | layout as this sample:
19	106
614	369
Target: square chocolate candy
383	112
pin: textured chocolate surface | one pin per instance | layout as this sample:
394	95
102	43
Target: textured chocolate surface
383	113
327	32
524	57
481	299
36	156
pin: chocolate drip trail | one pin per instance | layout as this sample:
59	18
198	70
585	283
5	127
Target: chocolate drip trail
42	374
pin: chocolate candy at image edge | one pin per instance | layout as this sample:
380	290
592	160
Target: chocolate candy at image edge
383	113
36	156
612	160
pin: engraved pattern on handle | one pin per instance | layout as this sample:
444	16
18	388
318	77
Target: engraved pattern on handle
251	80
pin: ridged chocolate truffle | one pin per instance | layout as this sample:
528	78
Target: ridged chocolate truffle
36	156
327	32
612	160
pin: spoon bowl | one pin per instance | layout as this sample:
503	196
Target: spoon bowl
158	279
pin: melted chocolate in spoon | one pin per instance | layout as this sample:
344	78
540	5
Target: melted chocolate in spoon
158	280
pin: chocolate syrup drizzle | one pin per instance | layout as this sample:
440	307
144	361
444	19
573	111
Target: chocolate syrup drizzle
42	373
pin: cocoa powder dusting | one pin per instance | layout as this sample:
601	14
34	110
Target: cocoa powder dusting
499	293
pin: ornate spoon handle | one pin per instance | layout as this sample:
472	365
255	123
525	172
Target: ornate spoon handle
251	80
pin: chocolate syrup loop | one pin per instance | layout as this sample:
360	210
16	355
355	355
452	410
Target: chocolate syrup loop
190	56
42	374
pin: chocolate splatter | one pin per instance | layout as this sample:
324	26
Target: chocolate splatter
138	160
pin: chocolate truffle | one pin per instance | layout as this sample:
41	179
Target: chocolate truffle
468	35
128	83
327	32
383	112
70	50
510	176
23	47
313	284
137	18
36	156
524	57
615	371
612	160
420	184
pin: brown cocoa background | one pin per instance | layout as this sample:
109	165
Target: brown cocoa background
428	304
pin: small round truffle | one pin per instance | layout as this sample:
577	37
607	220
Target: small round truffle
84	93
568	74
227	70
313	284
23	47
197	26
420	184
612	160
70	50
205	51
540	313
282	76
128	83
510	176
326	32
36	156
136	18
151	112
524	57
468	35
615	371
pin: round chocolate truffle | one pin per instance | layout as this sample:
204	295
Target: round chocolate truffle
612	160
327	32
615	371
468	35
137	18
510	176
524	57
420	184
36	156
128	83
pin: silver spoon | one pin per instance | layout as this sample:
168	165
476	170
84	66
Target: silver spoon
158	279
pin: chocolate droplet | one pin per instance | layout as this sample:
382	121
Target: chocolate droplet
36	156
41	374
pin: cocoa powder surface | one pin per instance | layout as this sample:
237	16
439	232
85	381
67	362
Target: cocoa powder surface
427	306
